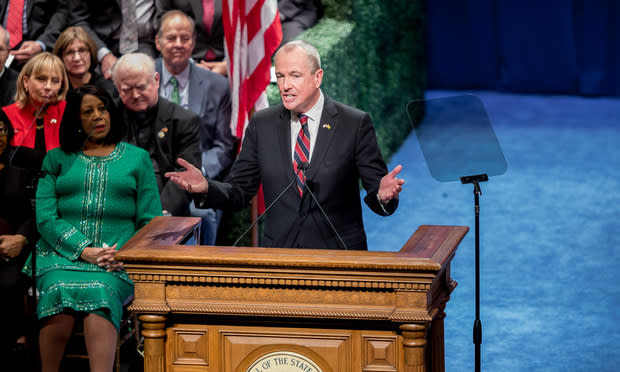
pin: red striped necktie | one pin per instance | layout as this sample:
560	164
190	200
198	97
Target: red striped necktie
15	22
302	152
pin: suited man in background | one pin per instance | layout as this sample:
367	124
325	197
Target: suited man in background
203	92
8	76
166	130
296	16
209	30
107	23
336	140
44	21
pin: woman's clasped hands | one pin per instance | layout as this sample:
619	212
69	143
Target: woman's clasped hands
104	257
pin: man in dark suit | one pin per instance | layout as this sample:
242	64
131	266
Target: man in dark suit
45	20
296	16
204	93
166	130
103	20
341	149
207	16
8	76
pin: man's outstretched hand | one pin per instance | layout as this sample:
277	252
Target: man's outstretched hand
390	186
190	179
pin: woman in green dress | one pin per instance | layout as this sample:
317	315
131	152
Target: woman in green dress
97	192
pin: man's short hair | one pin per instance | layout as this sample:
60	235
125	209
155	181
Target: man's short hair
175	13
314	59
134	61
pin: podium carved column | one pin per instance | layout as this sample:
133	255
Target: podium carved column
154	333
435	351
414	341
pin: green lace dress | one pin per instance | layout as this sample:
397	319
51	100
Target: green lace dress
86	201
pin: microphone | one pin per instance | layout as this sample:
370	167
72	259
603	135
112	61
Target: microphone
24	160
329	221
300	167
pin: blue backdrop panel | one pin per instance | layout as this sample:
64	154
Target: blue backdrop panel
555	46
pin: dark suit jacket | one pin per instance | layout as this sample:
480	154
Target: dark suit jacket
213	40
8	86
175	136
296	16
209	97
46	20
346	151
102	20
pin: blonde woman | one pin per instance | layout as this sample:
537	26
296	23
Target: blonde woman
39	104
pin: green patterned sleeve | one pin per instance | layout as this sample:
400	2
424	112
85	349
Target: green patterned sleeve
148	204
63	237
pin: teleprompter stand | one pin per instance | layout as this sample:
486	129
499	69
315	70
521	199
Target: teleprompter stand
458	143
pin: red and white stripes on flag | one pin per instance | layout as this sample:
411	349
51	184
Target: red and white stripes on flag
252	32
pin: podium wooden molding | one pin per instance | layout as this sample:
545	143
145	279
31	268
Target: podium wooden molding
220	309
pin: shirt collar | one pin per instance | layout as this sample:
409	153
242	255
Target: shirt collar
315	112
182	78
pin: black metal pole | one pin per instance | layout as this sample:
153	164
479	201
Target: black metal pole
477	322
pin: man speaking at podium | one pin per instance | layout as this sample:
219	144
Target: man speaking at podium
309	153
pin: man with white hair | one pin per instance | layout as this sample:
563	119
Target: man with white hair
166	130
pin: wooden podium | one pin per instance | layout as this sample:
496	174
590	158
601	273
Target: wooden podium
225	309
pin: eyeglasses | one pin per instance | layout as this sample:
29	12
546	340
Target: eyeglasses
4	131
82	52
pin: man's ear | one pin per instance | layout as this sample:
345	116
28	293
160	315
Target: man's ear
318	78
156	78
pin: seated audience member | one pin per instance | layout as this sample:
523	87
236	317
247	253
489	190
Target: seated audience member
79	54
209	30
118	27
296	16
17	230
97	192
42	22
166	130
202	92
39	104
8	76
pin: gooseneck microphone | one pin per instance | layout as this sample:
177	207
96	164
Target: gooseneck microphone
301	167
29	156
329	221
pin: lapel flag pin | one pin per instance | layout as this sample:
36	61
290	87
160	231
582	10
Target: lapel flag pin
327	126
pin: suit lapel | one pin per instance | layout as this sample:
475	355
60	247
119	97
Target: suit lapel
197	9
285	141
196	91
325	135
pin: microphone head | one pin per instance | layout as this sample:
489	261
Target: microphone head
304	166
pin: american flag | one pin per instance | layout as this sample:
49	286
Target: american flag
253	33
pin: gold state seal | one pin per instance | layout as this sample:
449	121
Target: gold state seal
284	361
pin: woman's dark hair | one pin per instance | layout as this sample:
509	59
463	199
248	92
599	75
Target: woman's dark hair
9	135
9	128
72	137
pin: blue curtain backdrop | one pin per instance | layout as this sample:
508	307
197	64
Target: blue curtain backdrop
527	46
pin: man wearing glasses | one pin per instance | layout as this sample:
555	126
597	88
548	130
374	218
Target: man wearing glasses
164	129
